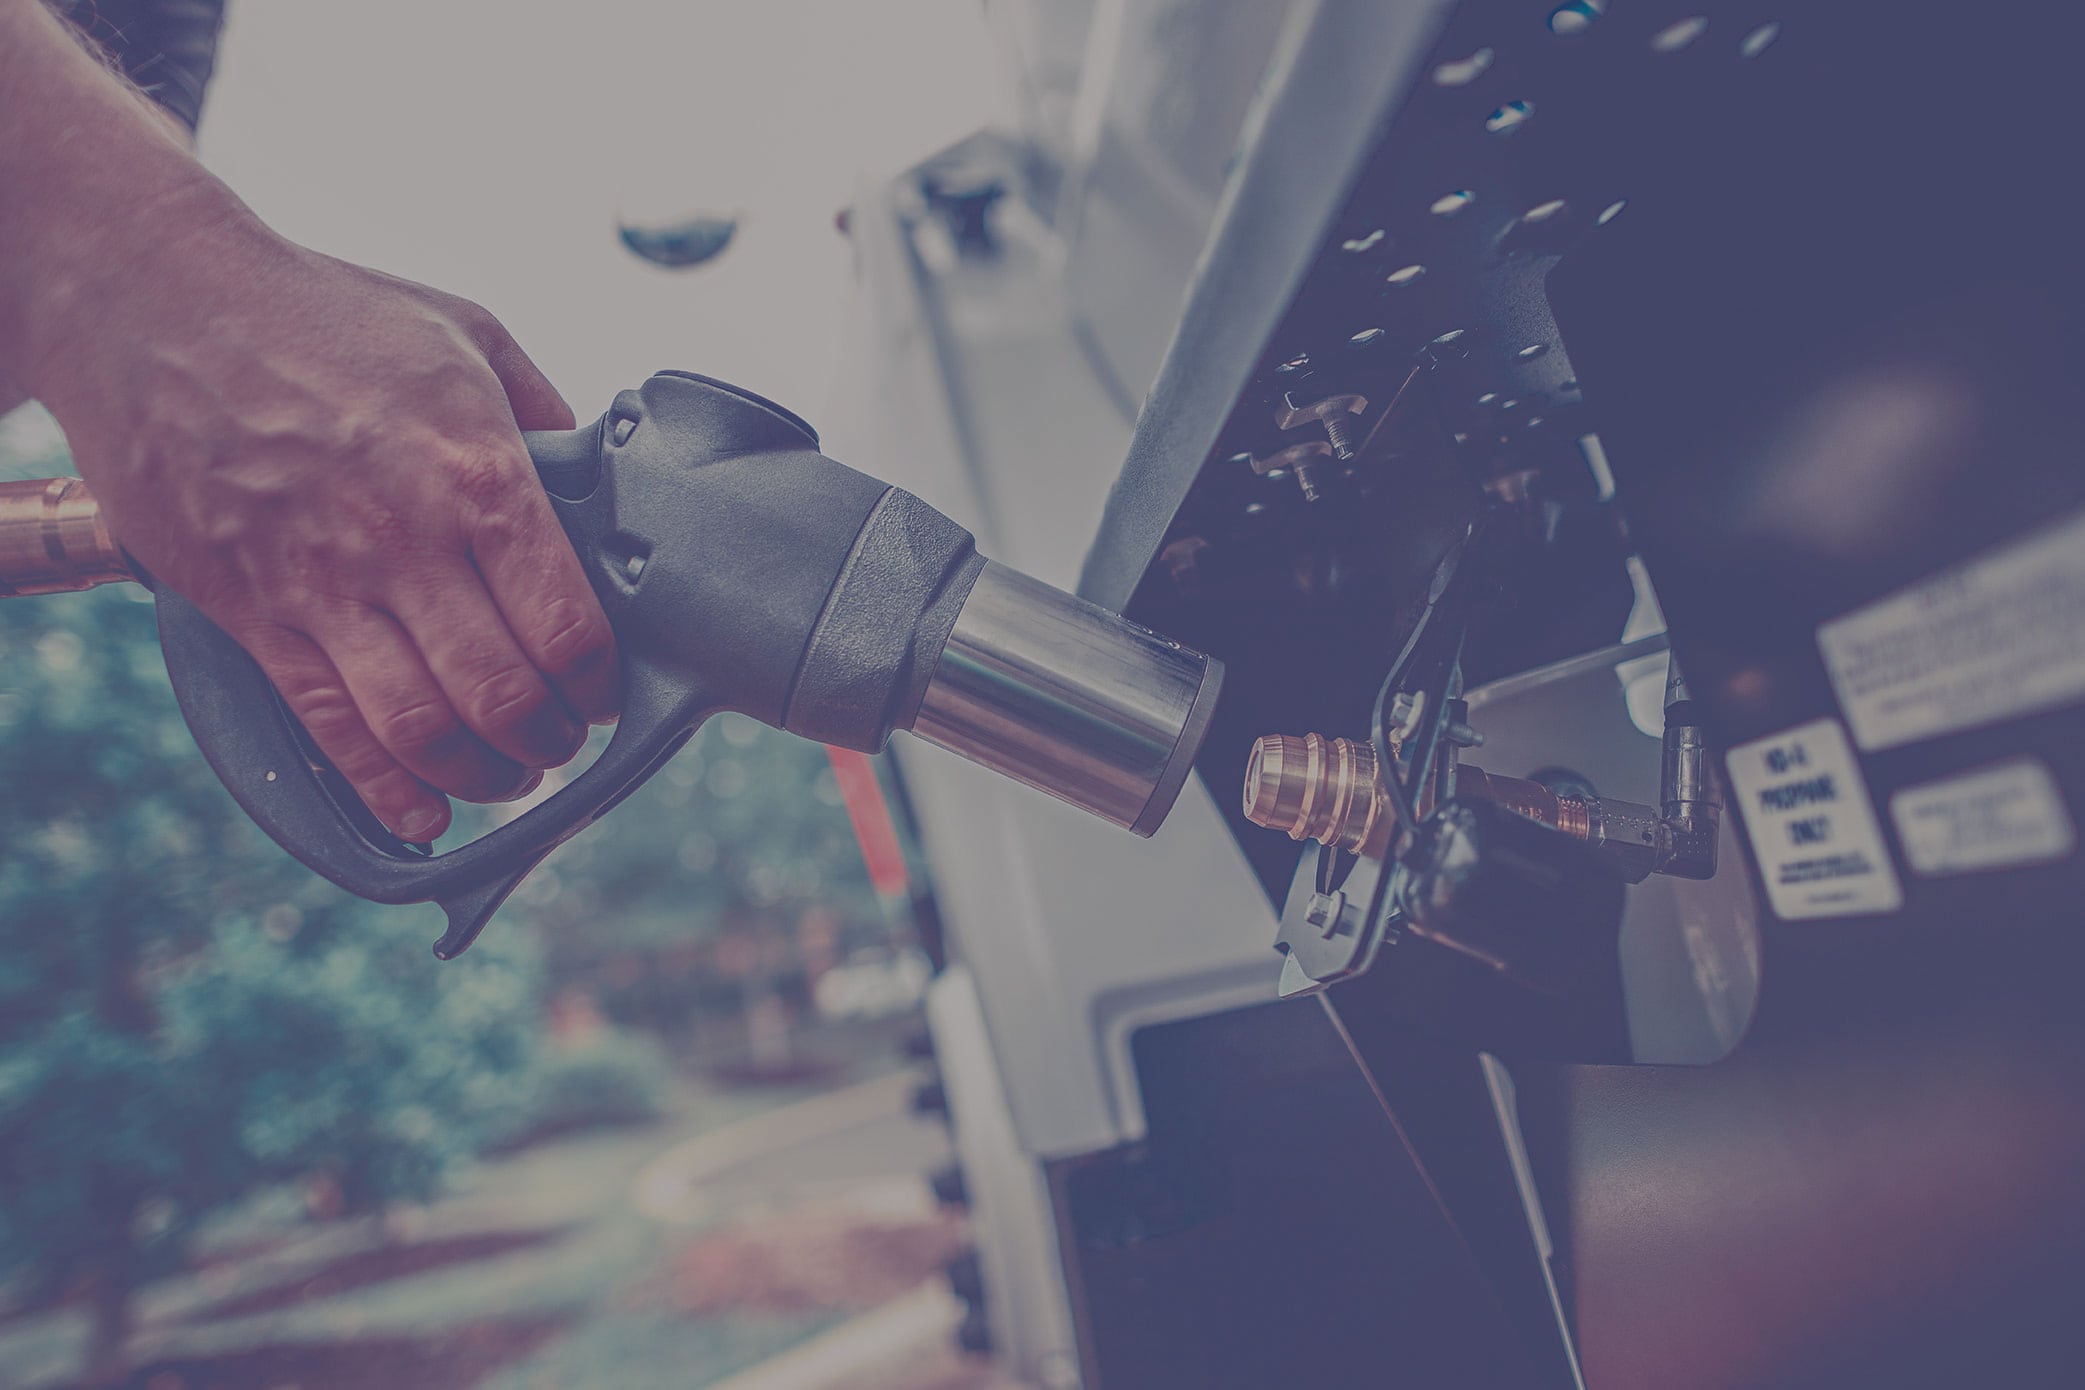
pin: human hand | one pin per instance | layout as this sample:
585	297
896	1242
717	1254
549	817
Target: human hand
327	461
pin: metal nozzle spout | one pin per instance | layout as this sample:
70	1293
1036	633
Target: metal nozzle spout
1054	692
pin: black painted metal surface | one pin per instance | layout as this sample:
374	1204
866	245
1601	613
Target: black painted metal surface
1808	272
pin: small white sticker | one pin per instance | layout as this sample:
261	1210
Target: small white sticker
1992	818
1999	636
1812	826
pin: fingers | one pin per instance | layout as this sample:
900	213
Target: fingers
533	575
316	694
409	711
524	556
482	673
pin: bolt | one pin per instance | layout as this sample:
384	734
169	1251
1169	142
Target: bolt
1336	431
1330	413
1302	459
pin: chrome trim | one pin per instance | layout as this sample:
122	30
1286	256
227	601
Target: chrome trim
1070	699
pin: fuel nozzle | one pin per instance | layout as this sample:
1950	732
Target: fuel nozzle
742	570
1069	698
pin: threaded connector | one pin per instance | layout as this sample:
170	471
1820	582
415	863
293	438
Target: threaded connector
1328	789
1315	788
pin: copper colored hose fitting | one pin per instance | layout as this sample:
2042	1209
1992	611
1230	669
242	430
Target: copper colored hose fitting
1522	798
53	539
1315	788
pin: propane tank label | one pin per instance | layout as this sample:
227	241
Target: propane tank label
1992	818
1812	826
1999	636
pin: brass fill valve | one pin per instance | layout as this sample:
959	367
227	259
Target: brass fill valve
1330	790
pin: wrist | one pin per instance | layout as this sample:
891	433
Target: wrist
91	179
85	281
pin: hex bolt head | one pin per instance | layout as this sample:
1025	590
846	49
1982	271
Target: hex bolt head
1329	413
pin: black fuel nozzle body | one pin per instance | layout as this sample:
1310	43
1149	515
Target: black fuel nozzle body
743	570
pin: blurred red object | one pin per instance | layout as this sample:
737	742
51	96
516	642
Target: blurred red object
861	792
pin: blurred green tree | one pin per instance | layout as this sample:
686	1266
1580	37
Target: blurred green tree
186	1015
743	832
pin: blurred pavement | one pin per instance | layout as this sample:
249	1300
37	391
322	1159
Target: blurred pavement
752	1245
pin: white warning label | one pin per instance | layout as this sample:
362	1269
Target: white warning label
1998	636
1812	826
1992	818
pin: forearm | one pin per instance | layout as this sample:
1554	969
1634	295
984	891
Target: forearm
90	172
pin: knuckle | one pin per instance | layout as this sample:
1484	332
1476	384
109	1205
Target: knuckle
362	762
418	728
483	479
322	705
570	634
383	531
503	698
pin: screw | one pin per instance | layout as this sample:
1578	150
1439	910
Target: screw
1336	431
1330	413
1301	459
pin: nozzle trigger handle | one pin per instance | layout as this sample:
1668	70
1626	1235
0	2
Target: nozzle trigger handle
268	763
281	780
673	502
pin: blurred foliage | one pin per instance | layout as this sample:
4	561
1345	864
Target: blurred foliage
185	1013
745	823
699	881
608	1077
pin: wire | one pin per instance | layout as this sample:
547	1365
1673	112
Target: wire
1396	783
